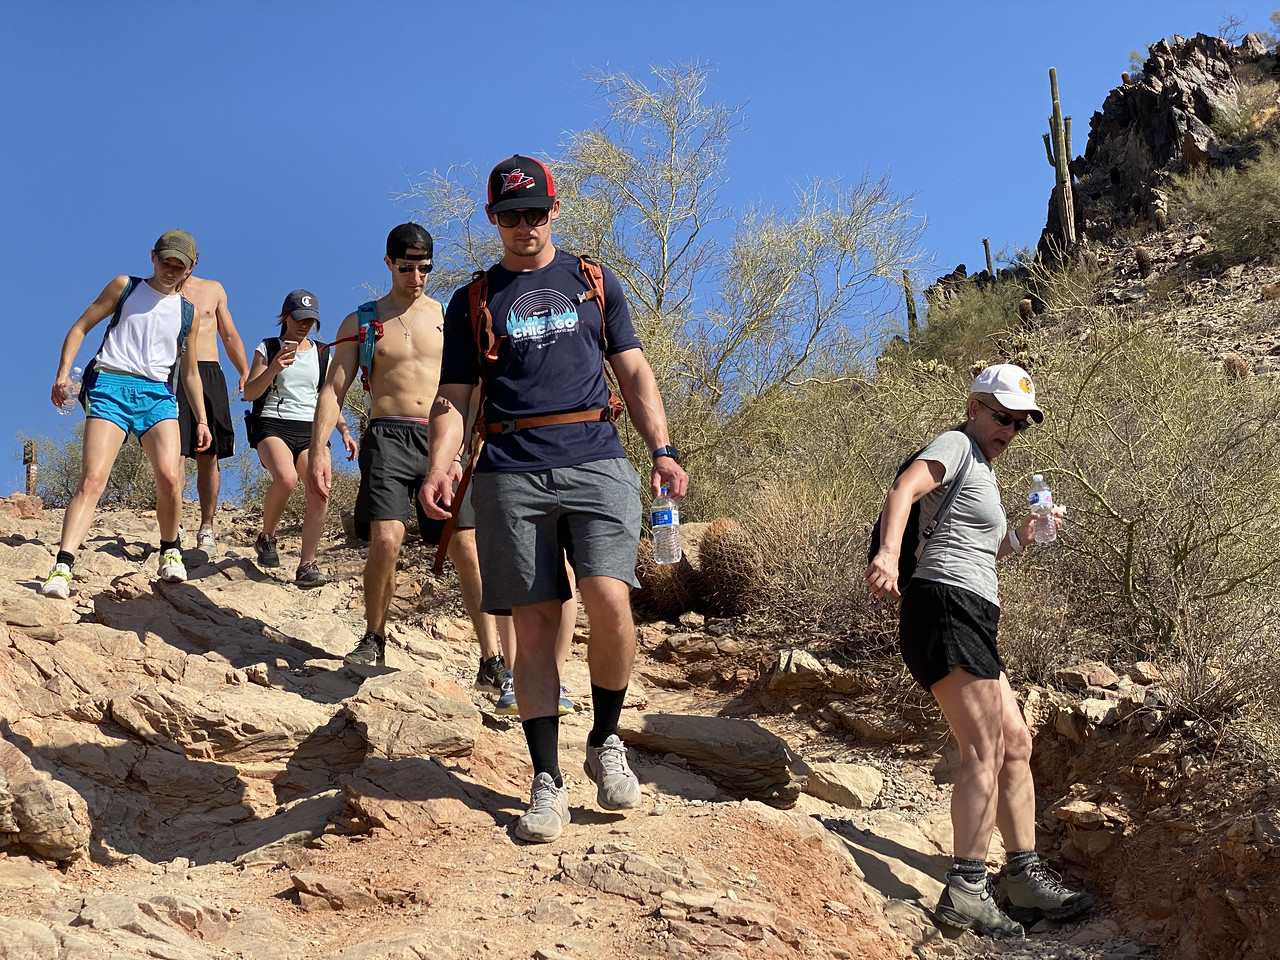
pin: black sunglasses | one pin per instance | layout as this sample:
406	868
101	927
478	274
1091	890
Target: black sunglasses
423	268
512	218
1006	419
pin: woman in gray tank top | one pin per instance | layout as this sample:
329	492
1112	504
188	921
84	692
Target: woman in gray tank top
947	634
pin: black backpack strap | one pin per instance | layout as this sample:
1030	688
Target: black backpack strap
323	360
273	347
90	372
949	499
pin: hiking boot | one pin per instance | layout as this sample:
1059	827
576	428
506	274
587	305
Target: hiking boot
371	651
617	788
206	541
1038	892
492	672
972	906
59	582
172	569
265	548
548	811
310	575
565	706
506	705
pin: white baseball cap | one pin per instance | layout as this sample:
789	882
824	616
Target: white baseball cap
1011	386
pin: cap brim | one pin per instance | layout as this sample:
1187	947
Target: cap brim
523	203
178	254
306	313
1020	402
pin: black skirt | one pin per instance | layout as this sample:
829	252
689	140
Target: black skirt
942	628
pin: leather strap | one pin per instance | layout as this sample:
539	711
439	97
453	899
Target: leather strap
581	416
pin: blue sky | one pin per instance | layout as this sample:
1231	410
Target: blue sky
277	132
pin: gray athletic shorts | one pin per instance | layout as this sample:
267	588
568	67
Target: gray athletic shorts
526	523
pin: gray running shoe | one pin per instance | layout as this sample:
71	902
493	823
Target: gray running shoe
371	651
1038	892
206	541
265	548
491	674
565	705
506	705
310	575
617	788
548	811
972	906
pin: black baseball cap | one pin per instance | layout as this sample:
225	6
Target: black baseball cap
406	236
520	183
301	305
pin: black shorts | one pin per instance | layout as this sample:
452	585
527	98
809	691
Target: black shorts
393	463
941	627
217	408
296	434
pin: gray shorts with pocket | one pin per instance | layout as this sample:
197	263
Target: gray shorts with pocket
527	523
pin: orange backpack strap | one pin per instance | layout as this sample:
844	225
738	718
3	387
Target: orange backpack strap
481	318
594	275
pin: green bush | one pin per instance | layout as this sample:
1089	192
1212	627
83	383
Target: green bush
971	325
1239	206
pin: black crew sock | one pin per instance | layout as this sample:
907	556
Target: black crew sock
1018	861
606	707
65	556
974	871
543	736
169	545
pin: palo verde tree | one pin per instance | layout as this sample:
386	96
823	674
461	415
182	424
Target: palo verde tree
739	311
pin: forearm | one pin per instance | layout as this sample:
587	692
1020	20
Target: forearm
645	406
193	386
893	520
447	431
259	385
328	413
70	347
235	352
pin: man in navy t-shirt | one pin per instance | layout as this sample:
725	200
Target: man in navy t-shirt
552	480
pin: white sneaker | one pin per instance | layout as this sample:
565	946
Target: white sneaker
172	569
59	582
617	788
206	541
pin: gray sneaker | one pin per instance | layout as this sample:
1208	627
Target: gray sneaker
265	548
548	811
206	541
1038	892
617	788
972	906
371	651
310	575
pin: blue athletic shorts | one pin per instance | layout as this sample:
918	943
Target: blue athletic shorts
134	404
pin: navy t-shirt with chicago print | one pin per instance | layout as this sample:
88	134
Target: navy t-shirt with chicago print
548	362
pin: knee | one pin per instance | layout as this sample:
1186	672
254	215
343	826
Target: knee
287	479
984	760
93	482
1017	746
169	480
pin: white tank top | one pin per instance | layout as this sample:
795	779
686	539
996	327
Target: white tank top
145	341
292	395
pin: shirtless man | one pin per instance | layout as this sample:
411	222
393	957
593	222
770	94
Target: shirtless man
393	451
210	301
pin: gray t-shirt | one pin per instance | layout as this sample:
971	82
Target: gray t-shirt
962	550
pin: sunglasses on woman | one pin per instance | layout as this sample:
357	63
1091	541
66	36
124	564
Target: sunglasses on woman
512	218
1005	419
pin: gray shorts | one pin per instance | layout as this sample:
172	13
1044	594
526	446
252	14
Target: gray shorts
527	523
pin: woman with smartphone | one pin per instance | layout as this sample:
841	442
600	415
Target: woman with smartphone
284	381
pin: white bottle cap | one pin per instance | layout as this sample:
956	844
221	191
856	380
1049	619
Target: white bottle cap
1038	478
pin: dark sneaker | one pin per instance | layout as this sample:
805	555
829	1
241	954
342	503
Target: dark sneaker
371	651
491	673
310	575
972	906
265	548
617	788
1038	892
548	811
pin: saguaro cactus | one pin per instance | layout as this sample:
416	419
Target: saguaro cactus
986	245
1057	146
913	323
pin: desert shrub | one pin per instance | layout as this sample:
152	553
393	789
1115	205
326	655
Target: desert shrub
131	483
1255	111
969	325
1239	206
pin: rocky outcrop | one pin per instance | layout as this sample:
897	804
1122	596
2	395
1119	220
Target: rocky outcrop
37	813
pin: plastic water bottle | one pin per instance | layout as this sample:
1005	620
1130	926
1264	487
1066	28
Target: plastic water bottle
73	393
1043	529
665	518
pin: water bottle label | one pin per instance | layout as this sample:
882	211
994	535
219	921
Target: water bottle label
665	518
1041	498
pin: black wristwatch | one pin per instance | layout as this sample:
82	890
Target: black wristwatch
668	451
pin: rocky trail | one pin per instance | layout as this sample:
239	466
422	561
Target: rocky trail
189	771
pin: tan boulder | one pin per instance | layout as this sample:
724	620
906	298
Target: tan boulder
414	713
43	815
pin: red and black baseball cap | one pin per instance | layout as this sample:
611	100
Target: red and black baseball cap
520	183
